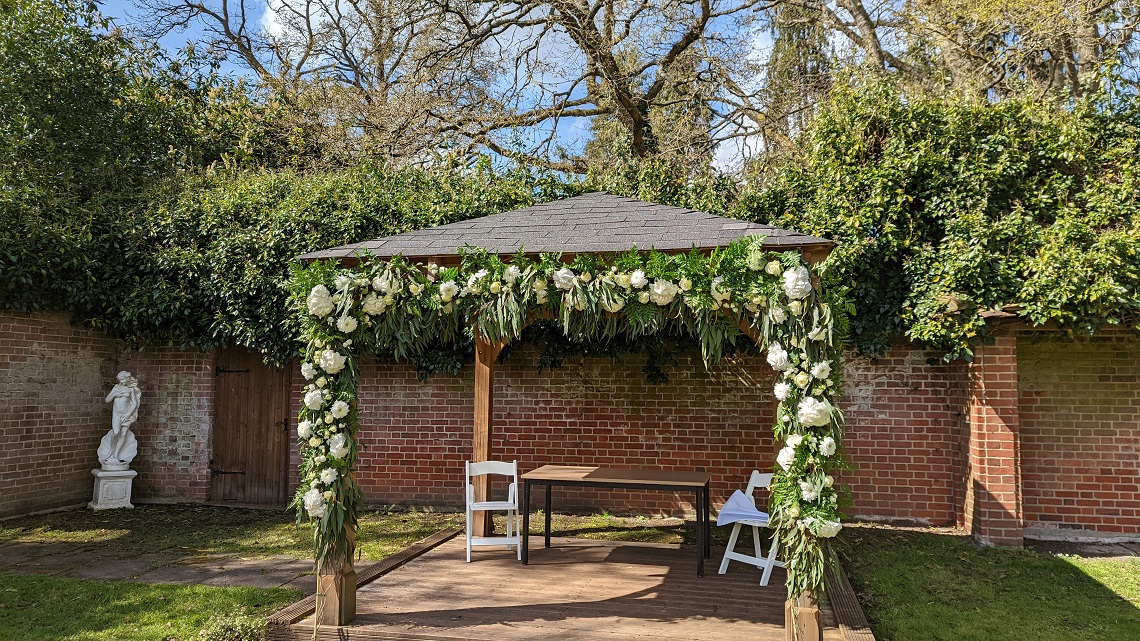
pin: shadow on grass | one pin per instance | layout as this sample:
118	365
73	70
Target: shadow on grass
919	586
39	608
194	529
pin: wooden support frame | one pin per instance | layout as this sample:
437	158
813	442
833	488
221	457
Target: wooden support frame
486	353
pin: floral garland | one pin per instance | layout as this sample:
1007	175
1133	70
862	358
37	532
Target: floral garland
394	306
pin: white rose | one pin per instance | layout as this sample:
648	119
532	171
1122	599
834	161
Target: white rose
786	457
321	382
340	409
372	305
315	441
796	307
585	277
415	288
320	301
827	446
319	459
774	268
643	297
814	413
448	290
315	503
331	361
539	285
685	284
794	511
777	314
663	292
564	278
828	529
802	379
328	475
797	282
512	274
338	445
828	481
308	371
782	391
638	280
821	370
794	440
778	357
346	324
624	280
314	400
304	429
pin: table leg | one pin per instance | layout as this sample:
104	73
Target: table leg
708	523
700	534
547	530
526	522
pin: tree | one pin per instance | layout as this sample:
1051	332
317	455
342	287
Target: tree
638	67
351	72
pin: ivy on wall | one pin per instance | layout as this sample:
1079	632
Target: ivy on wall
402	309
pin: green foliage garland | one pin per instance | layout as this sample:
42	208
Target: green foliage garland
403	309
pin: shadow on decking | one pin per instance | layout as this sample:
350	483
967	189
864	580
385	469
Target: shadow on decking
578	589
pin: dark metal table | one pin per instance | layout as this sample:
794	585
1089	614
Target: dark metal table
616	478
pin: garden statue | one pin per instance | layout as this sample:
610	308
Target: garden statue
119	446
113	479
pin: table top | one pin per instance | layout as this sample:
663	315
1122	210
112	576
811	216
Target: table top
616	476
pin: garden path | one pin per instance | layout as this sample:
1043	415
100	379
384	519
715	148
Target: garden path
96	562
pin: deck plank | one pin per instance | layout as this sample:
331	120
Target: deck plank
576	590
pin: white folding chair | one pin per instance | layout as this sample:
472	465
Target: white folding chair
747	514
510	506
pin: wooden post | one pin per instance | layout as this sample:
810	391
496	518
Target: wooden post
485	355
336	587
802	621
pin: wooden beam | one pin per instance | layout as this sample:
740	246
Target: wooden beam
485	354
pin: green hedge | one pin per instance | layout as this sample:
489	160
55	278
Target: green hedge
945	209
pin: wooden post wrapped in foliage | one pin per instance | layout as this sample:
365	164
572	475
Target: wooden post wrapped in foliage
402	309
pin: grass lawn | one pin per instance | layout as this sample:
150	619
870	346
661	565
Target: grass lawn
930	586
197	530
43	608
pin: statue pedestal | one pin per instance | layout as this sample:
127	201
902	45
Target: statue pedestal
112	489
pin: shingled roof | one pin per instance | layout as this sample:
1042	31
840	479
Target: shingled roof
595	222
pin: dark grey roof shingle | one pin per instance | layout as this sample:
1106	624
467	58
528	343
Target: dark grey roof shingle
595	222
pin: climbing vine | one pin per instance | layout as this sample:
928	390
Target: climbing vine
403	309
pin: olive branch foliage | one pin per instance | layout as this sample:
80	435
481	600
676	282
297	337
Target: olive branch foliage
401	309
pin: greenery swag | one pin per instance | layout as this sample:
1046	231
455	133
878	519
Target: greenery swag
400	308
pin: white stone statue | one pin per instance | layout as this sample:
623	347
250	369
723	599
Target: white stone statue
119	447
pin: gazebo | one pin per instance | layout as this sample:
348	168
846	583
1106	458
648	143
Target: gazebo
571	260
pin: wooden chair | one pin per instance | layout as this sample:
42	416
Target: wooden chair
510	506
756	519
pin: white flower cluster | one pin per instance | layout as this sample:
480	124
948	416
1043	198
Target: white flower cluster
813	412
319	301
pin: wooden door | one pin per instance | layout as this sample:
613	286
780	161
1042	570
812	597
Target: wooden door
251	430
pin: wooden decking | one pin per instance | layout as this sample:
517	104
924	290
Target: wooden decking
577	590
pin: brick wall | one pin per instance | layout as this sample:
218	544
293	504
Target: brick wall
905	432
53	378
173	427
1080	431
992	509
415	436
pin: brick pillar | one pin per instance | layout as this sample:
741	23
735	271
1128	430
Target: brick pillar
993	467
